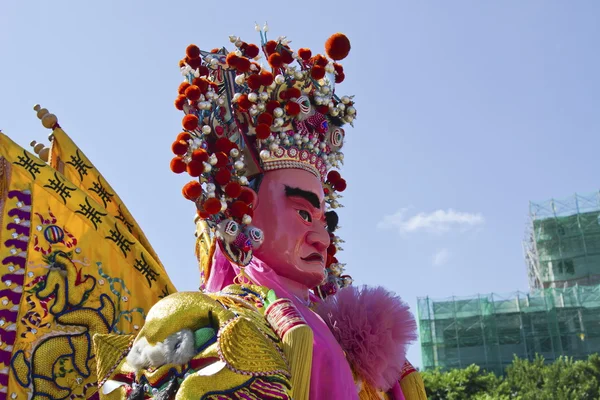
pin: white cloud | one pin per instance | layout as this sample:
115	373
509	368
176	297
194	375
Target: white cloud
440	257
438	221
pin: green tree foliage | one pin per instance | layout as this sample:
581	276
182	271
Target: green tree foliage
564	379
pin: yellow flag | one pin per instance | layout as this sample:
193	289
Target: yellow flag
68	159
68	269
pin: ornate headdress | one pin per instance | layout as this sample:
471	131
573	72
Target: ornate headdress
243	118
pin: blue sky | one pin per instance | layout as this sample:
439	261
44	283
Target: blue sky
467	110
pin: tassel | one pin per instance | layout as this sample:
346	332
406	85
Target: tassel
297	339
412	384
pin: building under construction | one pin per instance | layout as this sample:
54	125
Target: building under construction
561	315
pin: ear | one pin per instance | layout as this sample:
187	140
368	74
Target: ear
251	193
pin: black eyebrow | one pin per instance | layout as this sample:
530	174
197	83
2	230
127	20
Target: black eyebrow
312	198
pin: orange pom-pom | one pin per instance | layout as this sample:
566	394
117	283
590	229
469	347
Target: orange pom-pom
203	70
292	108
202	84
212	206
184	136
177	165
305	53
232	60
317	72
239	209
223	176
340	185
192	51
193	93
203	214
181	63
254	82
339	78
262	131
275	60
195	168
233	189
293	93
182	87
337	46
251	51
265	118
243	65
266	78
270	47
190	122
192	190
244	103
338	68
320	61
180	101
179	147
194	62
333	177
222	159
272	105
200	155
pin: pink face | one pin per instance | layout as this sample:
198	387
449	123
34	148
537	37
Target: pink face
290	212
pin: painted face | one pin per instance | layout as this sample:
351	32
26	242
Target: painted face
290	212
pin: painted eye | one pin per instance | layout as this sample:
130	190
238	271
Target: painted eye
177	345
305	215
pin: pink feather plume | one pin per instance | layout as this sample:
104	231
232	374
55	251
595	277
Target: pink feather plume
374	328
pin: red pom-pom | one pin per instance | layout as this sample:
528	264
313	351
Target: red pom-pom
323	109
203	214
340	185
320	61
243	64
283	94
212	206
233	189
223	176
192	190
305	53
337	46
246	196
244	103
222	159
182	63
265	118
203	70
292	108
339	78
177	165
293	93
262	131
333	177
331	249
179	147
182	87
232	60
272	105
338	68
195	168
275	60
254	82
202	84
180	101
192	51
193	93
266	78
224	145
184	136
286	56
317	72
190	122
270	47
238	209
251	51
194	63
200	155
